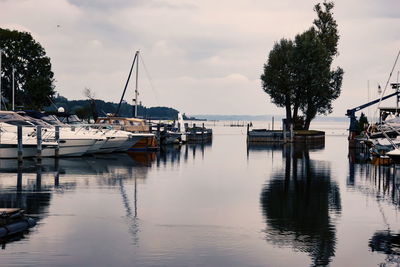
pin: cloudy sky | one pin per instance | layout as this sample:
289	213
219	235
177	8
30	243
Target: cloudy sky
202	57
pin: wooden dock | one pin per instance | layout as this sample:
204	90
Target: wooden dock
278	136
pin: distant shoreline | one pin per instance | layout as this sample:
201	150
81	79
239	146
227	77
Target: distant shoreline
214	117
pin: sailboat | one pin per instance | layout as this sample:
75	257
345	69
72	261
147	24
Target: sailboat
134	125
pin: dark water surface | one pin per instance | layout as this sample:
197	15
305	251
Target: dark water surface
221	204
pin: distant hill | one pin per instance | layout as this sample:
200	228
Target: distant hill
83	109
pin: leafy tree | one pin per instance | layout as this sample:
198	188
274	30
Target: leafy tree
311	84
323	84
276	79
33	76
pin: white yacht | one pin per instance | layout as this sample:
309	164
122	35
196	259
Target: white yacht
71	143
9	145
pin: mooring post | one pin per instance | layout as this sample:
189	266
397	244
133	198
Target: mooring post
202	132
19	176
284	130
291	133
272	123
57	137
20	146
248	129
39	142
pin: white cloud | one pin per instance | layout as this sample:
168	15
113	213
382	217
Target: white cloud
203	56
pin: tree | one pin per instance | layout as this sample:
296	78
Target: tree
313	85
33	76
322	85
276	79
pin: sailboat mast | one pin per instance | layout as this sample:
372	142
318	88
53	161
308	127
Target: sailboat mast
1	98
136	87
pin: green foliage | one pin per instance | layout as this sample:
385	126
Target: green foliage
299	76
275	80
33	75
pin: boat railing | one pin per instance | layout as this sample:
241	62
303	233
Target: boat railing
29	131
389	139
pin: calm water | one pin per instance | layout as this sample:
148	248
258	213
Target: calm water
220	204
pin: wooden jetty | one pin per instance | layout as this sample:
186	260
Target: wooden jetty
282	136
198	134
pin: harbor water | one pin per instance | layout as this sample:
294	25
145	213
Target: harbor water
216	204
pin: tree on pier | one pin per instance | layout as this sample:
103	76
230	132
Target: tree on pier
313	84
33	76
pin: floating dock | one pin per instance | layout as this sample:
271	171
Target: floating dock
278	136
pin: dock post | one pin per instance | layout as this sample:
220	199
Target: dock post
57	137
284	130
272	123
248	129
291	133
19	176
39	142
202	133
20	146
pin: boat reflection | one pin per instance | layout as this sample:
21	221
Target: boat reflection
31	184
170	154
301	203
379	182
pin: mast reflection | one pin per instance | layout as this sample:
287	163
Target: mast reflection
300	203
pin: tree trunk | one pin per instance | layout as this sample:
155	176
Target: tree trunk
288	114
296	110
310	115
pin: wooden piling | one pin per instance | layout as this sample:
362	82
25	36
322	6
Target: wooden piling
273	123
57	137
39	142
291	133
284	130
202	133
20	145
19	176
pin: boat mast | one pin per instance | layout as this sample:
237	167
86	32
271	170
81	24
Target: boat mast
126	85
136	87
1	98
13	89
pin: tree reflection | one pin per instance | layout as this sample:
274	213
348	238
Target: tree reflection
299	204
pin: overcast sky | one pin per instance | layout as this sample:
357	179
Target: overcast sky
202	56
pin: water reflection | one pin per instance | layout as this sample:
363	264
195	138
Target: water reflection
300	203
30	185
170	154
382	184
